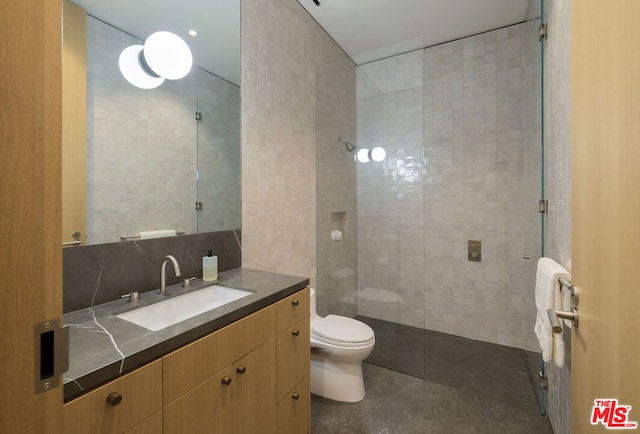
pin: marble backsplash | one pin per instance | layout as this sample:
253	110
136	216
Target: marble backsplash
97	274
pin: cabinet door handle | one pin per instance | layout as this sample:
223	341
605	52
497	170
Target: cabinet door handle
295	332
226	380
241	369
295	302
295	396
114	399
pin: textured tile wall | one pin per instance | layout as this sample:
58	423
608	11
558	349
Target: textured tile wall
390	193
557	175
141	144
464	164
281	47
336	188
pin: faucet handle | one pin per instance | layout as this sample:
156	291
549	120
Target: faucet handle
132	296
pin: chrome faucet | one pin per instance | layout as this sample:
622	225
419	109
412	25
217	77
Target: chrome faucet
176	268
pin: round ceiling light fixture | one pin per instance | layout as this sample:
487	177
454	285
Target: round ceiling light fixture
363	155
133	71
378	154
164	56
167	55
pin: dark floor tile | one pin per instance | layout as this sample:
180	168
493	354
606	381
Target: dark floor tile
401	353
534	366
453	385
400	404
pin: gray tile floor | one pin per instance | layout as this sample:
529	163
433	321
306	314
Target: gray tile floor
430	382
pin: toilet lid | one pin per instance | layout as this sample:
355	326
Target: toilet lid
340	329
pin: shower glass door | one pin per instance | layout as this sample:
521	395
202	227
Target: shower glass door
461	126
218	167
391	217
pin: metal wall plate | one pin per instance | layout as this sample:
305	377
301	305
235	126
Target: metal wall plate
51	353
474	250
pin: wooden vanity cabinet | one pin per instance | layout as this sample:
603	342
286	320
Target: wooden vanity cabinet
238	399
229	377
255	387
151	425
119	405
208	408
293	364
293	410
249	377
193	364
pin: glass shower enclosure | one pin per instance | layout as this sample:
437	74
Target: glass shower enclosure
461	126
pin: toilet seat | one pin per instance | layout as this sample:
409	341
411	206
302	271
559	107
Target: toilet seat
342	331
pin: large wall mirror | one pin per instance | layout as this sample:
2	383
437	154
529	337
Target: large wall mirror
169	157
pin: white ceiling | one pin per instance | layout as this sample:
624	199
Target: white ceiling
369	30
215	49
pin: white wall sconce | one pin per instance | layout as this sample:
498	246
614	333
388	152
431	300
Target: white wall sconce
164	55
365	155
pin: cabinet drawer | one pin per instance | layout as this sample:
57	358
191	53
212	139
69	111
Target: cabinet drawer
292	309
208	408
152	425
293	354
141	396
193	364
294	410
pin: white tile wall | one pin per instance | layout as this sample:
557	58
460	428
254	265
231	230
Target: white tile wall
390	193
557	108
141	144
463	164
336	188
281	47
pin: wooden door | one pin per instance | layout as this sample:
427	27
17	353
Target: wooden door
605	137
30	230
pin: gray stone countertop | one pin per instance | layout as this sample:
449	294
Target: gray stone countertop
103	347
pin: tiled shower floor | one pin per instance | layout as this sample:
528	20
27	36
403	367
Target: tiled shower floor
419	381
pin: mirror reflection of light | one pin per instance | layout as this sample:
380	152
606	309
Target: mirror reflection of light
164	55
363	155
378	154
168	55
132	70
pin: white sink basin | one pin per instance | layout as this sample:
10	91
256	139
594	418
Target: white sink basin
166	313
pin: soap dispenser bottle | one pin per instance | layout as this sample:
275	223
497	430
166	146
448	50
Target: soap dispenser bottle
209	267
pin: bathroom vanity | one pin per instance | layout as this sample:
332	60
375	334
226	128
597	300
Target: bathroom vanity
239	368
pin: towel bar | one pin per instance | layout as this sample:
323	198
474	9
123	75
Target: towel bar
573	290
572	315
72	243
555	315
131	237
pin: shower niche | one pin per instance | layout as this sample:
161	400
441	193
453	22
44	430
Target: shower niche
338	225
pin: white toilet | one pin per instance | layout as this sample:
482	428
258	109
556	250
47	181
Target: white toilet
338	347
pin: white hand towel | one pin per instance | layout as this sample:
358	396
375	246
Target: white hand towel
548	296
146	235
